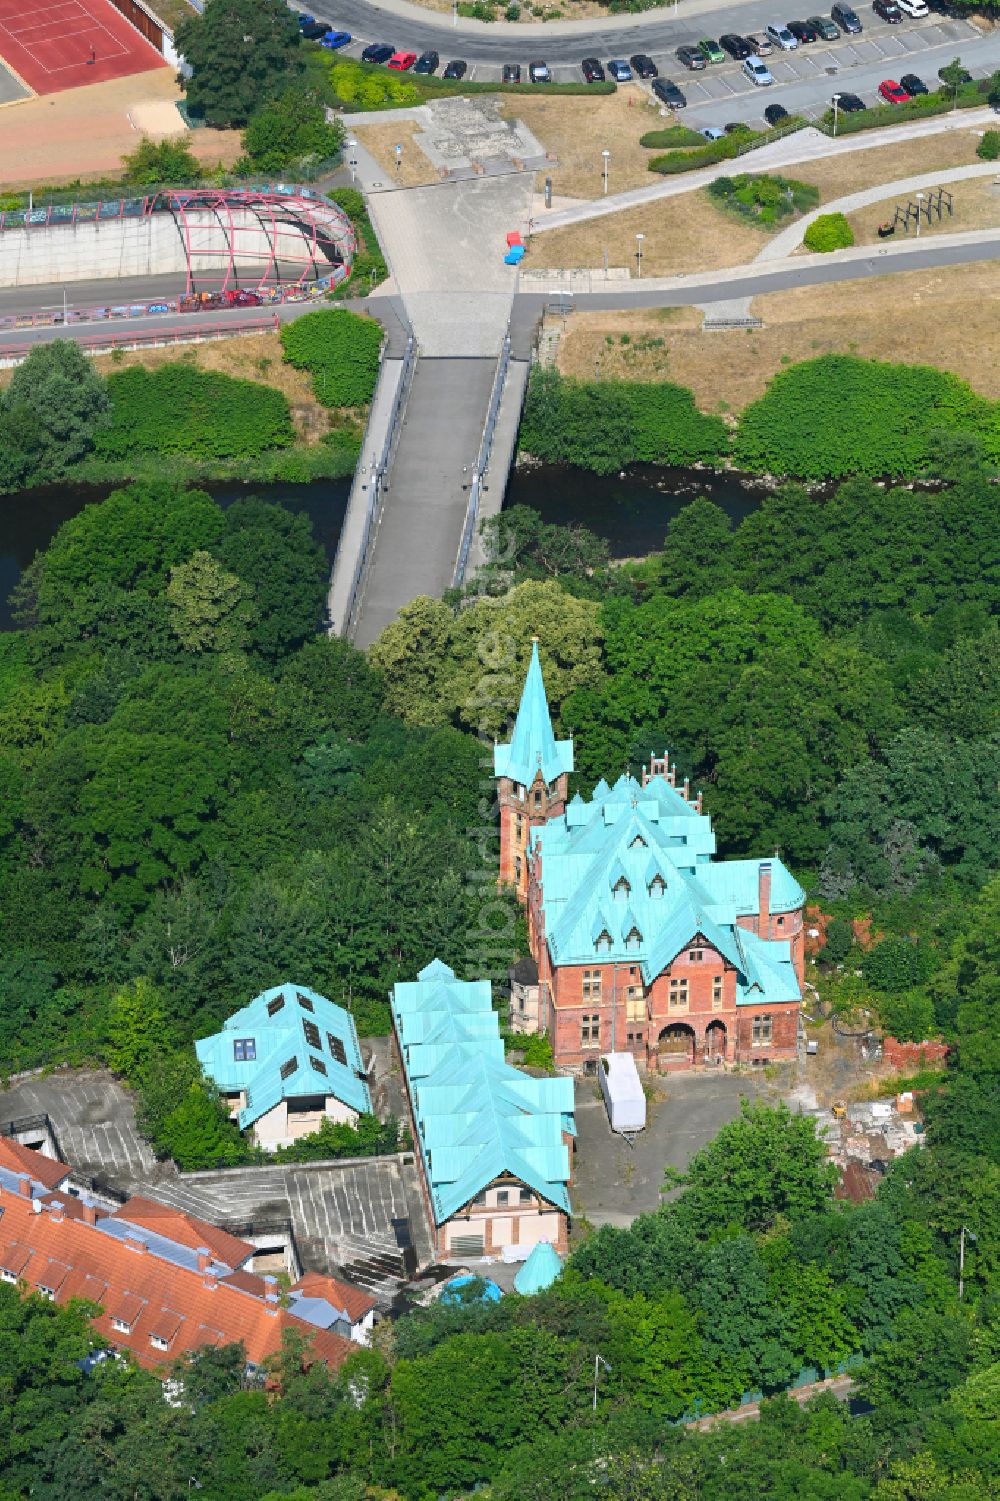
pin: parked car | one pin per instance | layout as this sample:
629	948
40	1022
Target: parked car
691	58
620	70
892	92
304	19
785	39
803	32
711	51
850	104
334	40
593	70
913	85
401	62
377	52
313	30
737	128
916	9
757	71
776	114
539	73
427	62
888	10
760	44
827	29
512	73
668	93
712	133
643	66
456	69
737	46
847	19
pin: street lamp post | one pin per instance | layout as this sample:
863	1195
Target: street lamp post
598	1362
920	209
836	108
961	1259
606	155
352	160
638	255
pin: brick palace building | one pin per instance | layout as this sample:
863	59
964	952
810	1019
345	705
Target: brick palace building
641	940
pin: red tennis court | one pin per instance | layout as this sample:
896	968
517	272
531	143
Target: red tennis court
70	43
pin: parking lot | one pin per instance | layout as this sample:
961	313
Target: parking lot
93	1120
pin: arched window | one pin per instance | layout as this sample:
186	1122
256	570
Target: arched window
657	887
603	943
632	940
621	889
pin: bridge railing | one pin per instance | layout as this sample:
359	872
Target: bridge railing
482	459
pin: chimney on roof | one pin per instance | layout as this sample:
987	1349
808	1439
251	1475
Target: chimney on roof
697	801
24	1185
687	788
89	1214
204	1256
271	1304
764	899
210	1279
136	1243
56	1210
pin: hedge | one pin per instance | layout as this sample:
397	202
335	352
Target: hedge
838	415
923	106
341	352
673	135
828	232
368	267
178	409
603	426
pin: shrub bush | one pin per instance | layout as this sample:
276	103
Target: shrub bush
368	267
340	351
763	198
604	426
839	415
180	409
686	161
989	147
673	135
828	232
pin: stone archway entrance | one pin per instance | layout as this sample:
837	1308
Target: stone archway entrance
716	1038
675	1045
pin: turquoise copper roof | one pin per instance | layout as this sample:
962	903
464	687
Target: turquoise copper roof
477	1118
630	875
539	1271
288	1042
533	746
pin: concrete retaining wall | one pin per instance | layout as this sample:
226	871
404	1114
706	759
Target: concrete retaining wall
150	246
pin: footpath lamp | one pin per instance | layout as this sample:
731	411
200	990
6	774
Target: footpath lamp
638	255
606	155
920	209
599	1361
961	1260
352	160
836	109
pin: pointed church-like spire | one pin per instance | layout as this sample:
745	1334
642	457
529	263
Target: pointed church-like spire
533	746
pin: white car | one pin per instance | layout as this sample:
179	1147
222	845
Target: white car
783	37
915	9
757	71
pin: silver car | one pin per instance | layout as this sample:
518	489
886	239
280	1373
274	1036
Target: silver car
757	71
783	37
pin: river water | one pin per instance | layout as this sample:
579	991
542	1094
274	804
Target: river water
630	511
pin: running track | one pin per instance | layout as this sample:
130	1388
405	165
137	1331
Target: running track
67	44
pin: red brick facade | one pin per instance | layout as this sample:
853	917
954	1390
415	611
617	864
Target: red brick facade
521	810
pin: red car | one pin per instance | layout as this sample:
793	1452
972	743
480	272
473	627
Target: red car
892	92
401	61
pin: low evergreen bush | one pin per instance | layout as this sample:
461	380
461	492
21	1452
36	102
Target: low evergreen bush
340	351
989	147
828	232
763	198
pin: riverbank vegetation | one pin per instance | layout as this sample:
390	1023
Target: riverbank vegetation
826	418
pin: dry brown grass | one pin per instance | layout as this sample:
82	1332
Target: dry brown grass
948	317
415	169
576	129
975	205
856	170
688	233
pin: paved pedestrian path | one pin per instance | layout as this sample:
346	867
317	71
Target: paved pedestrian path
788	240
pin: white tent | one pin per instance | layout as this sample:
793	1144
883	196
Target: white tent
622	1090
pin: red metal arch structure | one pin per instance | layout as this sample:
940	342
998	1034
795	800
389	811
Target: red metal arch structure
257	237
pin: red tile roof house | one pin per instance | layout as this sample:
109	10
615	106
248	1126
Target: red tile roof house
166	1283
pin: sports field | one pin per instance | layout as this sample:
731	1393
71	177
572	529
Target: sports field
71	43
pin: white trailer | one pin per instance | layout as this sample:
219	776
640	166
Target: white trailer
623	1093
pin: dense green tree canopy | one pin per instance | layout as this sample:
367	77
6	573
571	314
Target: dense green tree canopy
243	54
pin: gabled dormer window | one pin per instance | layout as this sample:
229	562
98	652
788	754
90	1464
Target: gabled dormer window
603	944
633	939
638	843
621	889
657	887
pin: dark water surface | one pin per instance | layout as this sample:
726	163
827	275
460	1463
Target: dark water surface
30	519
631	512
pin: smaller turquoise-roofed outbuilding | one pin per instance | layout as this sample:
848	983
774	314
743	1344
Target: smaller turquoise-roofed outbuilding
287	1062
539	1271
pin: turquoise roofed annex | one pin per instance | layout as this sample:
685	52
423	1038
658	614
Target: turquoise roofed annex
476	1117
533	747
289	1042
